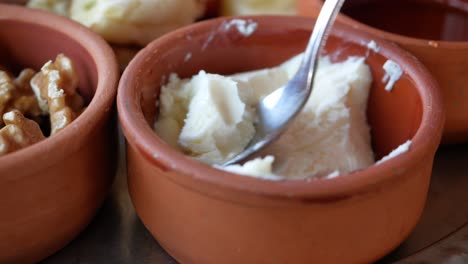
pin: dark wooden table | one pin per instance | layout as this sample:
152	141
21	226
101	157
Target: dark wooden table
116	235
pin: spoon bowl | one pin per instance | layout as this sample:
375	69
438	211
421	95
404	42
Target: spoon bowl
278	109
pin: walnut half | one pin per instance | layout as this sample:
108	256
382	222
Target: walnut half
18	133
55	87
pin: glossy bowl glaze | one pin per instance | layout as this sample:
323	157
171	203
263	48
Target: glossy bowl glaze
446	60
200	214
51	190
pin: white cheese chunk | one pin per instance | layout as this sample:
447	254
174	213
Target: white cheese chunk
213	117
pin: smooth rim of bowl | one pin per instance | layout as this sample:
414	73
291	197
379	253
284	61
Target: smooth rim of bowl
141	136
406	40
103	57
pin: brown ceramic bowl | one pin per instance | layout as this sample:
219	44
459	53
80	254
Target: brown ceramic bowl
446	60
50	191
200	214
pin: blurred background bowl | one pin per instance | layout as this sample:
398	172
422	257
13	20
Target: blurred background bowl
436	32
51	190
200	214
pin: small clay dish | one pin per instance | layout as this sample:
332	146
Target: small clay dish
50	191
200	214
436	32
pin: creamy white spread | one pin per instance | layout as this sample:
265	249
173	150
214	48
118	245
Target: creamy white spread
372	45
212	118
59	7
258	167
249	7
399	150
393	73
333	175
188	56
244	27
127	21
135	21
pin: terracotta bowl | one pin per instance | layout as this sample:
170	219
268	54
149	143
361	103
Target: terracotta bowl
444	59
203	215
50	191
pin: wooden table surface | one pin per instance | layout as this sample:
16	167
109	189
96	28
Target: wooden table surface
116	235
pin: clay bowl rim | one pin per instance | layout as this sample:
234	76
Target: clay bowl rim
398	38
102	100
141	136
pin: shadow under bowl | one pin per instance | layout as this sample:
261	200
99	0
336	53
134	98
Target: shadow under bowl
200	214
52	189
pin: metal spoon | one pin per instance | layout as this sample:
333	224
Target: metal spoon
279	108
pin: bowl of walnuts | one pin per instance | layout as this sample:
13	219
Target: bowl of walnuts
57	136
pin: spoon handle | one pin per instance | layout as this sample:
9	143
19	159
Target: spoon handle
317	40
280	107
301	84
277	110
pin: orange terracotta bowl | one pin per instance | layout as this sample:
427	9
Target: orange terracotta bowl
50	191
446	60
200	214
